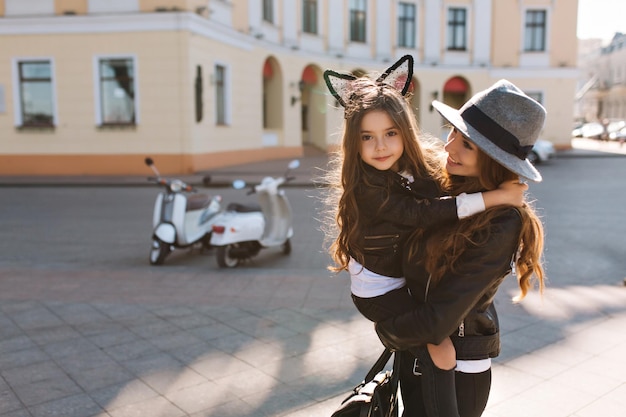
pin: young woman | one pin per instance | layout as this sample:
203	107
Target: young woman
382	178
453	272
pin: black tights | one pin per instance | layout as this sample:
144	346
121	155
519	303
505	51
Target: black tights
437	385
472	390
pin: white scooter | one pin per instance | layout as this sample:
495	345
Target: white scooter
243	230
182	217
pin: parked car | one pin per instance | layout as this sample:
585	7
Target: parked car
619	135
591	130
541	152
594	130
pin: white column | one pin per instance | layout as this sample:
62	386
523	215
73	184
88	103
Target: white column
254	17
383	25
290	21
482	32
336	26
433	16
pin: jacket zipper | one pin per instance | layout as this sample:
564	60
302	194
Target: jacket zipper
380	237
372	238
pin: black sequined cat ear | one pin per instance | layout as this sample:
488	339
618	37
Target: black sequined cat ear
340	85
399	75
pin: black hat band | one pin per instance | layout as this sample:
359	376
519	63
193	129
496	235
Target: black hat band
500	137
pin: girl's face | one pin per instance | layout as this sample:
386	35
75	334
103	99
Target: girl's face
462	155
381	142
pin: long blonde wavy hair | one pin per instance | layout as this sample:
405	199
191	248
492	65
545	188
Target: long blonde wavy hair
347	168
444	247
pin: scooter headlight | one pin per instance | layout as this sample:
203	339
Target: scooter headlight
177	186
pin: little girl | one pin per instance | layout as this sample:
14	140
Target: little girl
386	188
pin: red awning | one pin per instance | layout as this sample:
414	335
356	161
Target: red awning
456	85
308	76
267	69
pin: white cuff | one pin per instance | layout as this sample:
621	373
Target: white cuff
469	204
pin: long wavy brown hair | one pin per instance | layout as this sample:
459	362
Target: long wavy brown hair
444	248
343	220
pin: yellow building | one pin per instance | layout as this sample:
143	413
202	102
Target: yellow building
93	86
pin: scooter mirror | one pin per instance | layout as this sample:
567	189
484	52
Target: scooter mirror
149	161
239	184
294	164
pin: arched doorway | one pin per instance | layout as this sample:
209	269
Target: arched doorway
272	102
307	84
456	92
312	107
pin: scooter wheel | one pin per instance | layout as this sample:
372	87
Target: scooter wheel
224	260
158	251
287	247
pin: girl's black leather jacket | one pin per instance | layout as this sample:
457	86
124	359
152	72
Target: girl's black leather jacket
390	209
461	304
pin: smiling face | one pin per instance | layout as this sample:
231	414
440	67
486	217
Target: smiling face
381	141
462	155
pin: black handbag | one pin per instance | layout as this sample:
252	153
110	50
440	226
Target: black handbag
377	395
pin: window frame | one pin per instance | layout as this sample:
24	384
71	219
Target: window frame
407	24
198	95
99	109
267	11
309	16
531	29
357	13
18	99
456	27
537	95
222	102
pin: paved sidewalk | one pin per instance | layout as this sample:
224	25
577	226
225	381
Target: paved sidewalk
170	342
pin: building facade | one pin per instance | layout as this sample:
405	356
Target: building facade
93	86
602	87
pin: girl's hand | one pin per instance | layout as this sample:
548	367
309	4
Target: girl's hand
512	192
509	193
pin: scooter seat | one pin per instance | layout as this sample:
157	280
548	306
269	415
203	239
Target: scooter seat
197	201
243	208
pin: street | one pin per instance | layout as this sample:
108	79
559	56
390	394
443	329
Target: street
89	328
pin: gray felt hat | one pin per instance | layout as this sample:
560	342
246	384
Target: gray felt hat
503	122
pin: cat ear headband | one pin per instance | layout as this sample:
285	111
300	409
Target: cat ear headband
397	76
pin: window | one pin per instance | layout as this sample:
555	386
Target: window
406	25
457	29
112	6
35	94
535	33
535	95
220	95
268	11
198	94
309	16
117	91
32	7
358	17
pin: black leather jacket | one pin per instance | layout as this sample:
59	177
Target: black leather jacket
461	304
390	210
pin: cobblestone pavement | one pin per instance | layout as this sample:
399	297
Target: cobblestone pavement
87	328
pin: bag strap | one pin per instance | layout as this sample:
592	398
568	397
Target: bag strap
379	365
395	379
393	382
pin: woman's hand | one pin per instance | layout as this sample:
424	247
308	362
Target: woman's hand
509	193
